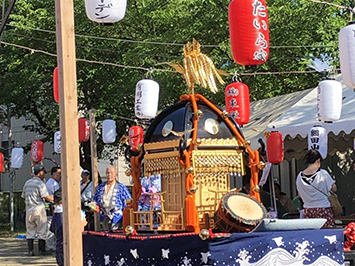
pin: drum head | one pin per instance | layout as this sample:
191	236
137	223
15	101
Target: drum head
244	207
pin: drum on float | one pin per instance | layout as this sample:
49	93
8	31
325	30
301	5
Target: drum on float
238	212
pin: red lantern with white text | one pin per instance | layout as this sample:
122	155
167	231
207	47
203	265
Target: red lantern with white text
56	85
1	162
347	54
237	102
135	137
84	129
275	147
249	31
37	151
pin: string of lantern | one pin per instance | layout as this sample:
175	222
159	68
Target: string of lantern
166	70
150	42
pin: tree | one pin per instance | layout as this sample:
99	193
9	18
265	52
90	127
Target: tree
152	33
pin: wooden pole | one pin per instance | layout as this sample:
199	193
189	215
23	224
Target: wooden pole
68	111
93	149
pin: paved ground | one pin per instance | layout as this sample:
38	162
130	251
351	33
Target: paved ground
14	252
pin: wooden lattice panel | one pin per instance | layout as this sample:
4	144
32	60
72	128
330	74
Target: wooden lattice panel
163	158
212	172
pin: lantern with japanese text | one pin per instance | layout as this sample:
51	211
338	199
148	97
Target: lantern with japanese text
135	137
109	131
318	140
237	102
84	129
56	85
249	31
37	151
105	11
146	99
16	157
57	142
1	162
275	147
347	54
329	100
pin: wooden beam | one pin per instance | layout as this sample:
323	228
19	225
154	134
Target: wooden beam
94	173
68	111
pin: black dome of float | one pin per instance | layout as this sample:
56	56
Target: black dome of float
181	116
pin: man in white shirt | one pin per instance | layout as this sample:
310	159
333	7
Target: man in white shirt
52	186
35	192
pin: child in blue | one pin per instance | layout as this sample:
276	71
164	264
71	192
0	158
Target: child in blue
57	227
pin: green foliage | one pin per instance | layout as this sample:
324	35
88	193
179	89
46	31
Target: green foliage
151	34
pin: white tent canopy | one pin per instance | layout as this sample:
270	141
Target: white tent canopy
299	119
294	114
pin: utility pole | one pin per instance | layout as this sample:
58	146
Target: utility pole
93	149
11	170
68	117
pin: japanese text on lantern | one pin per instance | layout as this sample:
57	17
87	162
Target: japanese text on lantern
139	95
233	103
315	139
259	23
102	9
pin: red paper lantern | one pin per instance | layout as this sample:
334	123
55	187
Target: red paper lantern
84	129
135	137
1	162
37	151
237	102
249	31
275	147
56	85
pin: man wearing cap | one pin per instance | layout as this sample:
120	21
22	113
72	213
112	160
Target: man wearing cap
35	192
52	186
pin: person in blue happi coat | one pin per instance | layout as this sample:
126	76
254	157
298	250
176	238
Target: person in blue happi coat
111	198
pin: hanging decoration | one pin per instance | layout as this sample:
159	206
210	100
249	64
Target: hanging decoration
237	102
347	54
37	151
146	99
329	100
198	68
318	140
16	157
275	147
105	11
109	131
56	85
135	137
1	162
57	142
84	129
249	31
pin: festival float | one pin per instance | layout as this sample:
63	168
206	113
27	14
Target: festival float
194	155
188	170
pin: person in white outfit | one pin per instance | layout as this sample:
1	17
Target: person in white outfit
53	184
35	192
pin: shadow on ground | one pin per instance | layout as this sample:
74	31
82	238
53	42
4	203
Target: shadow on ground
14	252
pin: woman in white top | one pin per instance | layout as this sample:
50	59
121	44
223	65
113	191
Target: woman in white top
314	186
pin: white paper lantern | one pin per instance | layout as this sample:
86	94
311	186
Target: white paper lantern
347	54
146	99
105	11
318	140
109	131
57	142
329	100
16	157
